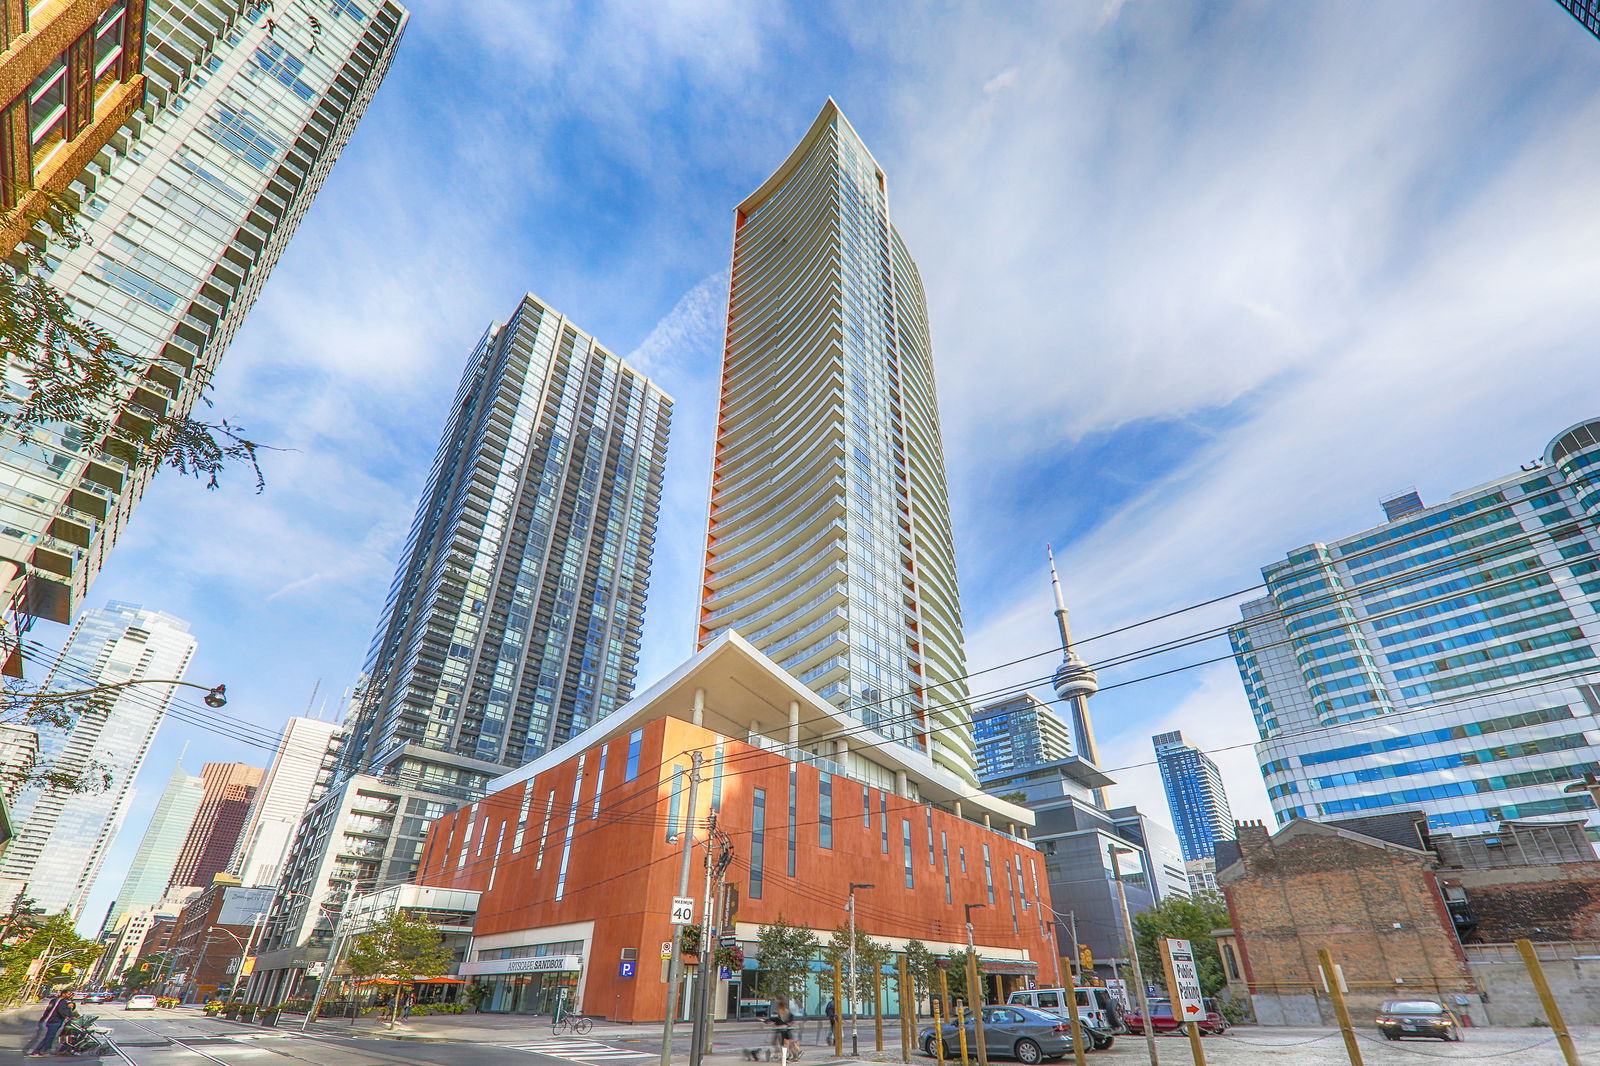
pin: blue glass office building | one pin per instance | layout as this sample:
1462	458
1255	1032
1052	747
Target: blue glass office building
1195	795
1447	660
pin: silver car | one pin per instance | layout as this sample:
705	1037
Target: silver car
1022	1033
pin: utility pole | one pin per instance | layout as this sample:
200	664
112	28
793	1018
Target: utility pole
1139	996
1078	1050
700	1031
1547	999
1335	982
675	964
974	994
855	1041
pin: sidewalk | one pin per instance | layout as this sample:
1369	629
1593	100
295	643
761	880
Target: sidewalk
729	1040
17	1027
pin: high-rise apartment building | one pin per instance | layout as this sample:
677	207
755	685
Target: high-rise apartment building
1587	12
64	834
1195	795
296	777
828	541
230	791
157	857
69	79
247	106
515	614
1445	661
1017	732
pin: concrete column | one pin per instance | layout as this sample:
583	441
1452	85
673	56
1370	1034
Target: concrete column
698	714
958	808
794	729
841	750
986	823
900	783
755	729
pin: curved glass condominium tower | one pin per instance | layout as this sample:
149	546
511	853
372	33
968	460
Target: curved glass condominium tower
828	542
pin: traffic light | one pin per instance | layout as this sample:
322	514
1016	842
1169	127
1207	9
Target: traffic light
1086	956
144	967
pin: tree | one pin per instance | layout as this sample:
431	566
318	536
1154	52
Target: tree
81	381
785	952
400	947
45	711
924	970
51	942
1184	918
956	974
870	958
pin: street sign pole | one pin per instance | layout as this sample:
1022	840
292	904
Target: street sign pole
675	963
1183	987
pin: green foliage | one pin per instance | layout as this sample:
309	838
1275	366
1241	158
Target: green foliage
956	974
22	705
80	382
785	952
399	946
33	936
924	969
1181	918
439	1008
689	939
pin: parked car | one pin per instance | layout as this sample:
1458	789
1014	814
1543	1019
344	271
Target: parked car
1417	1017
141	1002
1098	1012
1028	1035
1162	1020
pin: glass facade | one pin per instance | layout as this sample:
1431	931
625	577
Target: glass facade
828	543
157	857
1375	662
64	835
1018	732
515	615
248	103
1195	796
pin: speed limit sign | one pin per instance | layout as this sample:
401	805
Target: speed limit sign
682	910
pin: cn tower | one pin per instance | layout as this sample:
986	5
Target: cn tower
1074	681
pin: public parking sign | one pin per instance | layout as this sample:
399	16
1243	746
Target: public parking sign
1186	998
626	968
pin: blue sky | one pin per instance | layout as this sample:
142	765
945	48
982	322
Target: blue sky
1206	281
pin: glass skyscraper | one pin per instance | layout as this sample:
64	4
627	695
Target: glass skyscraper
515	614
152	866
1018	732
57	852
828	543
514	618
1195	795
1445	661
1586	12
247	105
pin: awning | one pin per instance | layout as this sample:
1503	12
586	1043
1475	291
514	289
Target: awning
439	981
1009	966
411	981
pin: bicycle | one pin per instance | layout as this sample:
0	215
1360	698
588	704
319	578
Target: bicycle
571	1023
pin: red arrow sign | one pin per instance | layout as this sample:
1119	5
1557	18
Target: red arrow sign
1192	1009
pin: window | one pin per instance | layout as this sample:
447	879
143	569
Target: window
905	843
793	797
758	841
47	108
825	811
675	804
988	875
635	740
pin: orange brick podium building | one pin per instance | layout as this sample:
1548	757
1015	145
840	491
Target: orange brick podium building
577	854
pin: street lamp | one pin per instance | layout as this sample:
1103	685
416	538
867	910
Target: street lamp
215	695
855	1027
1133	950
972	985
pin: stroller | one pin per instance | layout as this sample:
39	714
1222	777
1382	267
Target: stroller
81	1036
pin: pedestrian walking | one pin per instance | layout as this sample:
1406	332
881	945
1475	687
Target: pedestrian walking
407	1003
782	1019
57	1012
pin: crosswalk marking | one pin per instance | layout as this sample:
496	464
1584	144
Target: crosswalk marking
578	1050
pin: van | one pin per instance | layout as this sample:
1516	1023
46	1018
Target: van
1097	1011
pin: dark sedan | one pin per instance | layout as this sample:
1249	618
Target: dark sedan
1417	1017
1021	1033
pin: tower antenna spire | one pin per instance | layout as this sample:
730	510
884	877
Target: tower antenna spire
1074	680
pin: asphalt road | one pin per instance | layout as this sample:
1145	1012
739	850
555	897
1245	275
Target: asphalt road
158	1038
